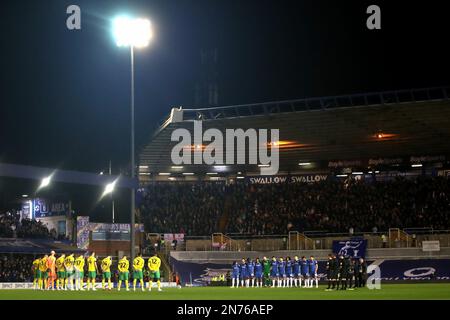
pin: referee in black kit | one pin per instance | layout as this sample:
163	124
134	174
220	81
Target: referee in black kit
330	270
361	273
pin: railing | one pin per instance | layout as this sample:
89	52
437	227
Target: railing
316	240
298	241
238	236
419	230
222	242
322	103
399	238
307	241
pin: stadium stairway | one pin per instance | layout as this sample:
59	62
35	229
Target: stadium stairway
223	221
164	256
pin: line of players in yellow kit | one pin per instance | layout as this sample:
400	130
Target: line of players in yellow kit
66	269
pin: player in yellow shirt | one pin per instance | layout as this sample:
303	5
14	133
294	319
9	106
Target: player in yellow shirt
92	271
69	262
106	272
43	268
123	272
44	275
61	273
79	273
138	265
154	263
36	273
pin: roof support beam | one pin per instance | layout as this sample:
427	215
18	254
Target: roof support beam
76	177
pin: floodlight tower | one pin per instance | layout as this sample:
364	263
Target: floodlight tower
133	33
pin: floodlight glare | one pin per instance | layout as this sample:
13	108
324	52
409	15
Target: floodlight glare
45	182
130	32
109	188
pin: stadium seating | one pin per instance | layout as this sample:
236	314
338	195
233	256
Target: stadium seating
12	226
15	268
332	206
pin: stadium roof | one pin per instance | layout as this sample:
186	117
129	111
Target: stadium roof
38	173
315	131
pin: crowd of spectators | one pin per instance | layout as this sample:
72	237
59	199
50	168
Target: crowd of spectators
331	206
183	208
12	226
16	268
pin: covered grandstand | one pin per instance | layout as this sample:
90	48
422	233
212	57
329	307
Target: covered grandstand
362	131
387	134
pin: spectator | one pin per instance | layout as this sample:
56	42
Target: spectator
332	206
414	241
384	240
174	244
16	268
11	225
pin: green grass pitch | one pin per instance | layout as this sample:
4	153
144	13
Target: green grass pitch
387	291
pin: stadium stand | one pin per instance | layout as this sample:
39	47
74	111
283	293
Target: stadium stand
17	255
411	123
11	225
265	209
323	133
21	241
398	140
184	208
16	268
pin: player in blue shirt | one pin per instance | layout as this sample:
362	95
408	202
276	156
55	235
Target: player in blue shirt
250	273
289	273
258	273
274	271
243	272
305	271
281	273
235	274
313	267
297	273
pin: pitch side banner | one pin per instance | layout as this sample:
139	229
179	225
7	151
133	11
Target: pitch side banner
200	274
352	248
417	270
304	178
114	227
15	285
29	285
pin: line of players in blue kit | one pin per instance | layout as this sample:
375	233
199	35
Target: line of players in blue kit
280	273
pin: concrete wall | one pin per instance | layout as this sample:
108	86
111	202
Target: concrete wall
109	248
113	247
372	254
52	223
325	243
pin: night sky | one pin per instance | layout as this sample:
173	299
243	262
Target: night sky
65	94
